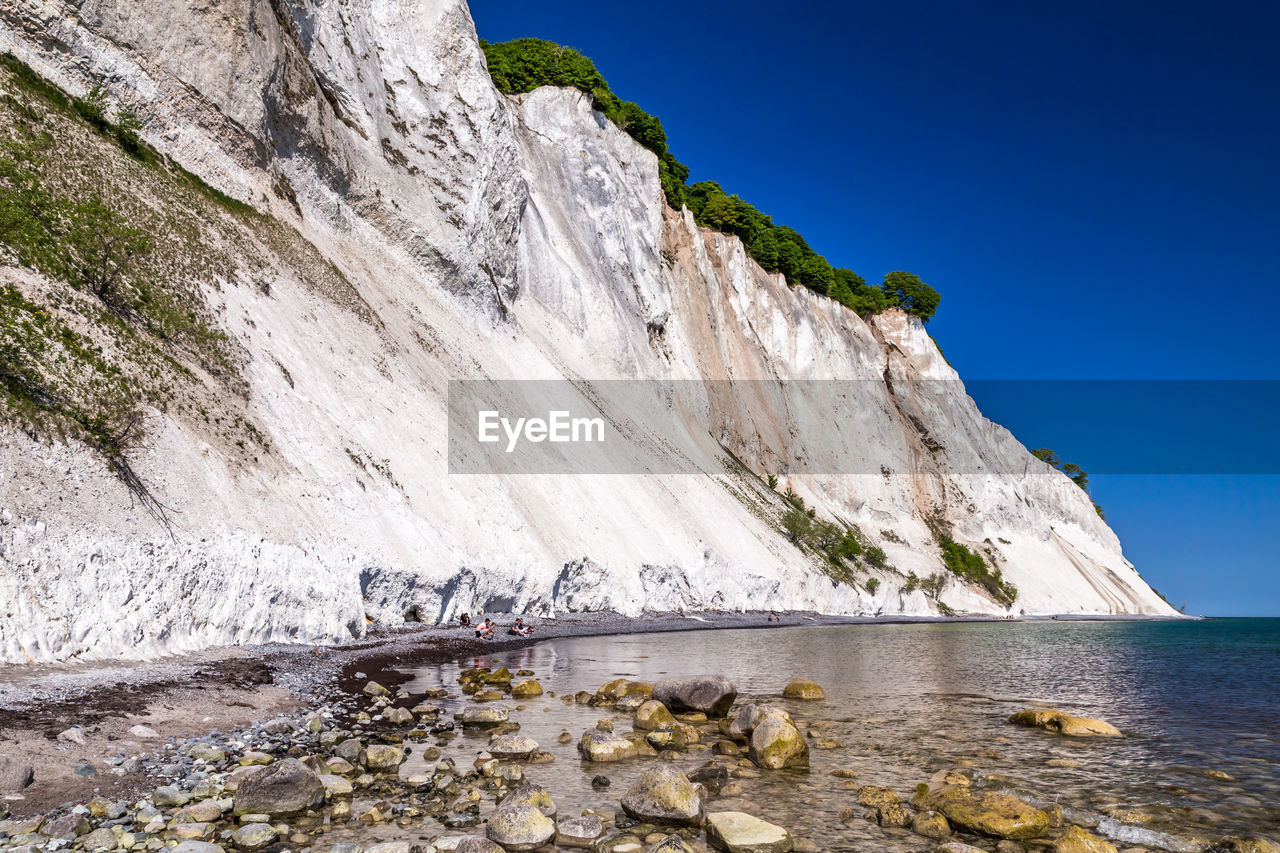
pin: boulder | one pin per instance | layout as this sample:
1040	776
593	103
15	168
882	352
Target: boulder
520	826
476	716
875	796
375	690
1077	840
675	736
15	775
1052	720
740	727
652	715
989	813
804	689
712	776
777	743
664	795
894	814
530	794
713	695
398	716
579	832
736	832
597	745
287	787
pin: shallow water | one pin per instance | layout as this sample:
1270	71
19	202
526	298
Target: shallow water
908	700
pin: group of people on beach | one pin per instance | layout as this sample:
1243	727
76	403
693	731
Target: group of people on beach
486	627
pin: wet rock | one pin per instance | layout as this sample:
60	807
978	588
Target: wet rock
874	796
845	773
564	738
930	824
1004	845
375	690
611	691
391	847
254	836
526	689
530	794
284	788
737	832
713	695
714	777
381	758
194	847
804	689
989	813
500	676
1238	844
476	716
725	747
1077	840
598	782
668	844
776	742
664	795
1053	720
336	786
959	847
579	832
476	844
740	726
398	716
596	745
351	751
893	814
512	746
675	736
519	826
15	775
651	715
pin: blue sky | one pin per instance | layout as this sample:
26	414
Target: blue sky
1093	187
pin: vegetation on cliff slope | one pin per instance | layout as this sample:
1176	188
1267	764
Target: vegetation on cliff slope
525	64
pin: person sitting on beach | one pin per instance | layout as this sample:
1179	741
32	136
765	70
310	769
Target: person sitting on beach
465	621
520	629
484	630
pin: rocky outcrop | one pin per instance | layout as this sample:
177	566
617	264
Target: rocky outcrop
466	235
1064	724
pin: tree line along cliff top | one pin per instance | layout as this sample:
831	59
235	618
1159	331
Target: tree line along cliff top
523	65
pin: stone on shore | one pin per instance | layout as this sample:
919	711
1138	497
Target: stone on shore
989	813
579	832
664	795
520	826
476	844
375	690
930	824
15	775
804	689
652	715
1053	720
737	832
1077	840
713	695
675	736
99	841
382	758
776	742
254	836
669	844
526	689
597	745
287	787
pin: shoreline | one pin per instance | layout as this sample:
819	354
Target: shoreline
189	696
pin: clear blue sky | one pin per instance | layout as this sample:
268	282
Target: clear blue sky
1093	187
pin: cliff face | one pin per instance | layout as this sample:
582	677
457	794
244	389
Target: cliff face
482	237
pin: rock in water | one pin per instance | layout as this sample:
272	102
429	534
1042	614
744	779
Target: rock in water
381	758
287	787
664	795
476	716
1063	723
254	836
530	794
512	746
713	695
652	715
987	813
670	844
777	743
1077	840
930	824
526	689
736	832
804	689
1253	844
520	826
579	832
596	745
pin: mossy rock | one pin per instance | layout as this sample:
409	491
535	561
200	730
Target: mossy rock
989	813
1053	720
804	690
1077	840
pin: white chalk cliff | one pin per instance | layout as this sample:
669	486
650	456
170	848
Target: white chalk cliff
487	237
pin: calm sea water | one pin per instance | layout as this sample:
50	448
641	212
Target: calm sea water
1196	700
